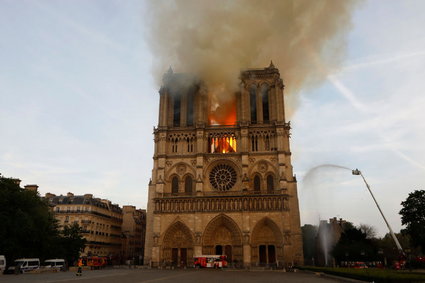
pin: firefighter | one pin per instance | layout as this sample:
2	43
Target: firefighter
80	267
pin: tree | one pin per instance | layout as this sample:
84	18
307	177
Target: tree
413	216
309	233
370	231
72	242
354	245
28	227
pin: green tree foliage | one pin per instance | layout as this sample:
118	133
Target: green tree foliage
413	216
29	229
354	245
72	242
309	233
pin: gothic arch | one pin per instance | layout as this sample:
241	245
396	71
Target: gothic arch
188	183
177	245
256	182
222	231
270	182
174	184
180	169
173	233
266	243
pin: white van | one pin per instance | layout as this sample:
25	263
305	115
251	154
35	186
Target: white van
2	263
56	263
26	264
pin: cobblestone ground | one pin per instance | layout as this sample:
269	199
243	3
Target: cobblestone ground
170	276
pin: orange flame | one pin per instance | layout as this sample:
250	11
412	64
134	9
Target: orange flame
224	114
222	144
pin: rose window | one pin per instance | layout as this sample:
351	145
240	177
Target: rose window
223	177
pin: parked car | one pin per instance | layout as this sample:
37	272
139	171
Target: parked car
24	265
2	263
56	264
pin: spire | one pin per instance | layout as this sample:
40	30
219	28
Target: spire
166	77
271	65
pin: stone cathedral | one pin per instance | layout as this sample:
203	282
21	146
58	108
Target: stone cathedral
222	182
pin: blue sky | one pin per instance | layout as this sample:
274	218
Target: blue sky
79	103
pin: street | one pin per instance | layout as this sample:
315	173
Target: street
171	276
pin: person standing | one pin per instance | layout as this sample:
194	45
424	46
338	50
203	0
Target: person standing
80	267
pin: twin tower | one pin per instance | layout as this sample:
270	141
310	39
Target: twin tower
222	181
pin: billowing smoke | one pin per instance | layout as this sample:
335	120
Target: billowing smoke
217	39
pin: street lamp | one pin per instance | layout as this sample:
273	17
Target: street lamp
358	172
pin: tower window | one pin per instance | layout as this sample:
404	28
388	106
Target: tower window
257	183
188	185
265	102
254	143
174	143
270	184
190	100
253	104
175	185
176	111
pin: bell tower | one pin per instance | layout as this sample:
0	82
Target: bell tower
222	181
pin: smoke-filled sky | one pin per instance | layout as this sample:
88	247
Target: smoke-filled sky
79	92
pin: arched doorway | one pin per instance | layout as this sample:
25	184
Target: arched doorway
222	236
177	247
267	244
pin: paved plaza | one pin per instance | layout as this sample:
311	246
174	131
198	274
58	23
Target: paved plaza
171	276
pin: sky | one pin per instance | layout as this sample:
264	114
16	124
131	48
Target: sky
79	102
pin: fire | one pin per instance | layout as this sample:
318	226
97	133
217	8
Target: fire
222	144
222	109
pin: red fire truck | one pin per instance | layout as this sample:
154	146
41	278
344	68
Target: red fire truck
210	261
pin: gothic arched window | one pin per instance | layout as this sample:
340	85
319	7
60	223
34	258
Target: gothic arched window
190	101
253	104
270	184
188	185
176	111
257	183
175	185
265	102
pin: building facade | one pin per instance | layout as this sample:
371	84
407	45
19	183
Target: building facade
222	180
133	229
109	229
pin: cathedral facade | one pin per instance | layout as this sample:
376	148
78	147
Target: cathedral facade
222	182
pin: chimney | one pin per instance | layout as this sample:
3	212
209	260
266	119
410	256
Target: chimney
32	188
49	195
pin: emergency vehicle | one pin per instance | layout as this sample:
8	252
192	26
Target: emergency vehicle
210	261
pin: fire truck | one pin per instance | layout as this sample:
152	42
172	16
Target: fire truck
210	261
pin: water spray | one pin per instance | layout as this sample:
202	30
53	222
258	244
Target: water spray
358	172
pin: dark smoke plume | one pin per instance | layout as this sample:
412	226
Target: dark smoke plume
217	39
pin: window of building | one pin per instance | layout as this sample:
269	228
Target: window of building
267	142
188	185
270	183
254	143
265	102
190	101
175	185
176	111
174	143
253	104
257	183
